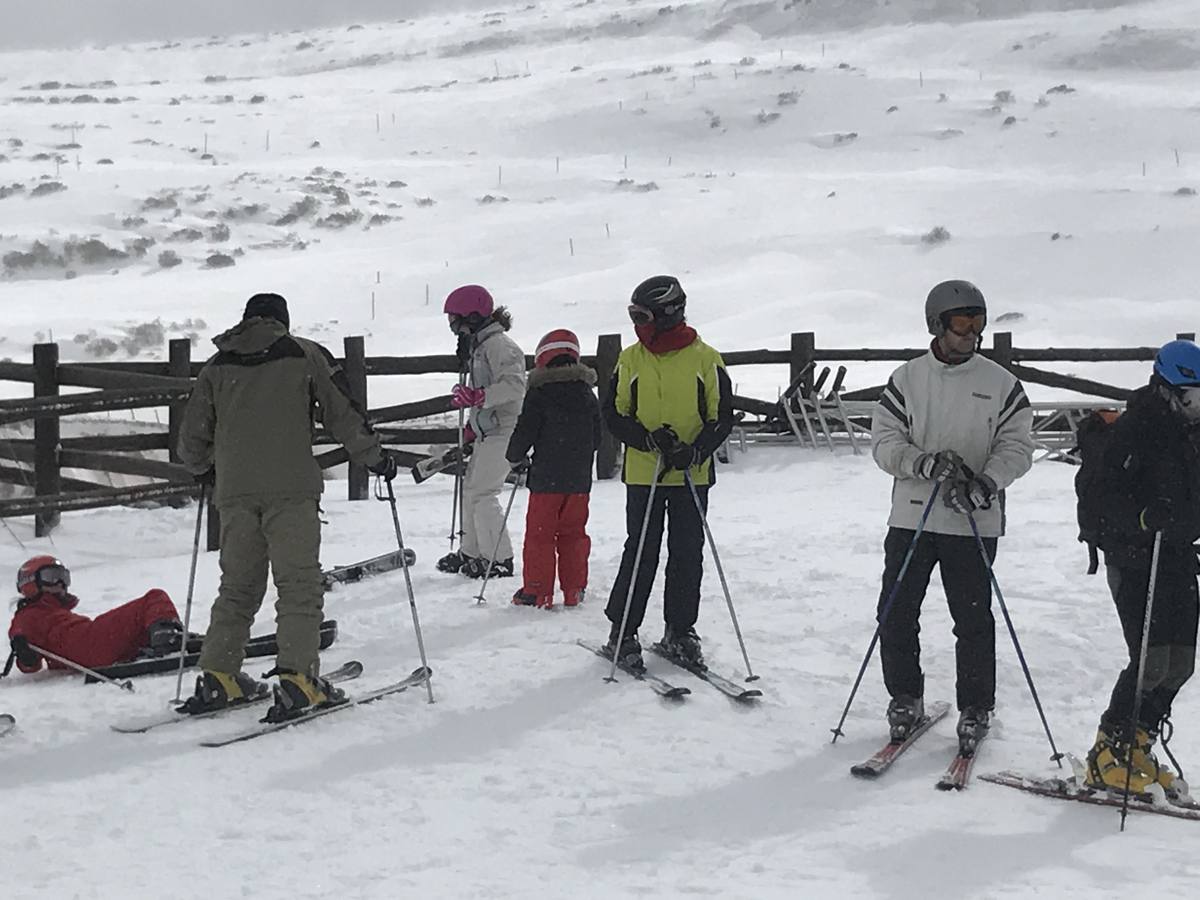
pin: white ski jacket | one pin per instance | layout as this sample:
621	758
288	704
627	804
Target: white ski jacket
977	409
497	366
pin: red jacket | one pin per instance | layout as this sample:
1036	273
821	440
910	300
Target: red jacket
115	636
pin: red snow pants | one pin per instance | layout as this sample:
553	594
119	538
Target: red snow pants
556	525
112	637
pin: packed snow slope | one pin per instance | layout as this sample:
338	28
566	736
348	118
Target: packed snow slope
747	147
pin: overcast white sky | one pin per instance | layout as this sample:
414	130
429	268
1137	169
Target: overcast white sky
61	23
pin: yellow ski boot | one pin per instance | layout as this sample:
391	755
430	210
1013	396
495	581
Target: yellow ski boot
1108	769
1145	760
217	690
297	694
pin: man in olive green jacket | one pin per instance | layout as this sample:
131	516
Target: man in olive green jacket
249	424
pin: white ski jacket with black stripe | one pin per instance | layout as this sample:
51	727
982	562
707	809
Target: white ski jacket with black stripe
976	408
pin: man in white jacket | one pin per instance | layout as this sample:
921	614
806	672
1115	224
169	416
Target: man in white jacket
956	418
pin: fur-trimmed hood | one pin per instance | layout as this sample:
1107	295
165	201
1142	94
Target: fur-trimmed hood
560	374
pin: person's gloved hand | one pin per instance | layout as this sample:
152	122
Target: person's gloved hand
207	478
521	466
965	495
468	435
664	440
938	466
386	467
1157	516
27	657
463	397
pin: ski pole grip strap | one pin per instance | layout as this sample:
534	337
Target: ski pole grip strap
1093	559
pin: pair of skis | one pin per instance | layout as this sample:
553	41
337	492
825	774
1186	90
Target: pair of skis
957	774
348	672
669	691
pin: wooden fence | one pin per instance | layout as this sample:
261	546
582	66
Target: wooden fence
138	385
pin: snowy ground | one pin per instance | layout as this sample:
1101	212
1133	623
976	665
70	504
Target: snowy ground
530	775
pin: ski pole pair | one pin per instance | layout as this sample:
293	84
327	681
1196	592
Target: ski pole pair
637	562
891	599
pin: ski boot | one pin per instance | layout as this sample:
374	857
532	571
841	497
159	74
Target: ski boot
164	636
1108	767
296	694
452	562
574	597
218	690
629	653
524	598
903	715
1145	761
684	646
502	568
973	724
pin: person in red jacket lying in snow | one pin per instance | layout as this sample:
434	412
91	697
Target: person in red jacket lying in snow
44	618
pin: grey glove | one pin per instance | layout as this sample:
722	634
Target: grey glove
938	466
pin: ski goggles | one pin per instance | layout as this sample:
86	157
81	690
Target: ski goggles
53	575
640	315
965	323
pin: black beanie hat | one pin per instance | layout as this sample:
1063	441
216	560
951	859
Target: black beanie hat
267	306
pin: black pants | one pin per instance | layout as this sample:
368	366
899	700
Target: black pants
675	508
969	593
1171	654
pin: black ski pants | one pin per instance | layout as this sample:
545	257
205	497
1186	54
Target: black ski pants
675	508
1171	653
969	594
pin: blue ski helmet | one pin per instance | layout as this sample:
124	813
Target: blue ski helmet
1178	364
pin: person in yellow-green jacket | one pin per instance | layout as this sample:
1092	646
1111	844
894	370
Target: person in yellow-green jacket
671	405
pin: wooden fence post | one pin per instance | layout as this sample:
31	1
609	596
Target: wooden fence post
608	348
1002	348
358	479
804	348
179	365
45	435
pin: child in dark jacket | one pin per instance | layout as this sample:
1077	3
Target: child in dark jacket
560	421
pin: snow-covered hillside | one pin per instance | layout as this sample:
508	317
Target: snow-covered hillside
792	173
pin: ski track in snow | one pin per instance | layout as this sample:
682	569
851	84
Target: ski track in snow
530	776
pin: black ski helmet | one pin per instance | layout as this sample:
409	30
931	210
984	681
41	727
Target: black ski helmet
947	296
663	297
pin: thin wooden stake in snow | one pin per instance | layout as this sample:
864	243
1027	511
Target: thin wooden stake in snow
372	306
571	241
1176	158
607	231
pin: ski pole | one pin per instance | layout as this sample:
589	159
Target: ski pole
187	611
458	472
412	600
712	545
487	575
1056	756
887	607
1131	736
125	685
637	562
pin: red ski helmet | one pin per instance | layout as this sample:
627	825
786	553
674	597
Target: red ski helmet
558	342
39	571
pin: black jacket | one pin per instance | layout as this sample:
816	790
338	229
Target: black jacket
560	421
1153	455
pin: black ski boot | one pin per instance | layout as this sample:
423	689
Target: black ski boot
452	562
296	694
502	568
973	724
903	715
684	646
217	690
164	636
629	654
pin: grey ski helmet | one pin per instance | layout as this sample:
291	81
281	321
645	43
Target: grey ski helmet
663	298
947	296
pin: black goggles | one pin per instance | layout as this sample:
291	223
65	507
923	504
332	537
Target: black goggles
53	575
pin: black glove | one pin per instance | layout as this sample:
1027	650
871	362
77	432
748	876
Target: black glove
386	467
664	440
521	466
26	656
965	495
938	466
207	478
1157	516
681	457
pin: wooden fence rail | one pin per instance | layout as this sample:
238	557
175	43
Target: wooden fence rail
139	384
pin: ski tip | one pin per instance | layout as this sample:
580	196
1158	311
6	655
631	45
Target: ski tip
421	673
676	693
864	772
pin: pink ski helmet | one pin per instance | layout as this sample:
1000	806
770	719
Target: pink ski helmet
468	299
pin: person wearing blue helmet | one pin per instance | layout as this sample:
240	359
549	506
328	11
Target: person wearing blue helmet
1148	483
